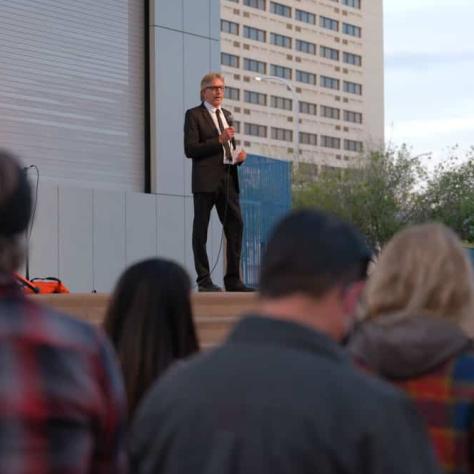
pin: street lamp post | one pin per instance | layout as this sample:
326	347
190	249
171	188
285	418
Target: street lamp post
296	110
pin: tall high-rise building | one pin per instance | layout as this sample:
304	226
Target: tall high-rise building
304	78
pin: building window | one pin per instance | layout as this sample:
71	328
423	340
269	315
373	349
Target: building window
254	34
353	145
280	71
233	1
330	112
354	117
306	77
352	30
328	23
308	138
329	82
255	130
229	27
330	142
280	40
281	102
305	47
236	125
305	17
255	98
282	134
232	93
353	59
279	9
308	108
230	60
329	53
352	3
260	4
352	88
255	66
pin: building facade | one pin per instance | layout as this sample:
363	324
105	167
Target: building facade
304	78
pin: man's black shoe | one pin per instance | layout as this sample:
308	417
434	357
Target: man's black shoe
209	287
239	287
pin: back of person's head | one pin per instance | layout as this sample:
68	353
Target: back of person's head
149	321
311	252
15	211
423	270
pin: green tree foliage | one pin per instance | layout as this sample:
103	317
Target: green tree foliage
449	194
379	194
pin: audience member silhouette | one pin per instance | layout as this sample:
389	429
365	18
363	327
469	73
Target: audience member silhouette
417	306
149	321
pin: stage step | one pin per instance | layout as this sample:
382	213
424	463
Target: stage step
214	313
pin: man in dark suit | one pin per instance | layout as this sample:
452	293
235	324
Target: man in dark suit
209	142
280	396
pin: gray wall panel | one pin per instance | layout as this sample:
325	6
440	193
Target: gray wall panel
108	238
43	253
72	89
75	238
170	227
196	64
168	170
141	226
167	13
215	56
197	17
215	19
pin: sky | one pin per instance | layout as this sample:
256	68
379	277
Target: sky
429	74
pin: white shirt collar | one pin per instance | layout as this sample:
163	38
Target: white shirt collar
211	108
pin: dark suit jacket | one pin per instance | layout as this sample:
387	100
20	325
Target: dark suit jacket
201	144
277	398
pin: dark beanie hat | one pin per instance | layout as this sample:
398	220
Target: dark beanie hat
15	210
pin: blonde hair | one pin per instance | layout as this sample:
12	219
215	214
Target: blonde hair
423	270
206	81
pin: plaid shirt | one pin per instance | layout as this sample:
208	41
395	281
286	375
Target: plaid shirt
445	397
61	397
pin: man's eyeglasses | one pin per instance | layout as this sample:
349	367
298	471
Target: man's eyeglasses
216	88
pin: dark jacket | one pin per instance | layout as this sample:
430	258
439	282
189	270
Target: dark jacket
201	143
277	398
432	359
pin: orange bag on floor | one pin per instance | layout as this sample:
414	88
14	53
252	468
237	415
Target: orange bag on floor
42	286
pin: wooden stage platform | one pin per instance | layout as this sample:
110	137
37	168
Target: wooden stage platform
214	313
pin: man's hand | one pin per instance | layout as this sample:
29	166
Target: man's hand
226	135
241	157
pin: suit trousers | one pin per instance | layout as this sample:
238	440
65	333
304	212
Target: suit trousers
226	200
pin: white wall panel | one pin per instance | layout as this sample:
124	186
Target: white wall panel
108	238
197	17
168	169
141	227
167	13
75	238
43	251
170	227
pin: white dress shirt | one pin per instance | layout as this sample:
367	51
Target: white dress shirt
212	112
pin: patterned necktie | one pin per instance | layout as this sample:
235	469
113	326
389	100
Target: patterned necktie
228	153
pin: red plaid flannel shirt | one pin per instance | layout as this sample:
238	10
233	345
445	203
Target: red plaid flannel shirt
61	396
445	398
